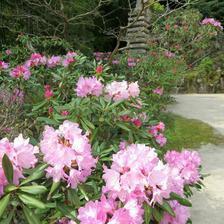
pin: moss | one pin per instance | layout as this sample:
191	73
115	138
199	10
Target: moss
189	133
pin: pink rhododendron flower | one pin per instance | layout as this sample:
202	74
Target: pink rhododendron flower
71	54
67	61
68	153
155	132
48	92
136	172
158	91
21	71
133	89
115	62
99	69
3	65
137	122
106	211
161	139
8	52
169	54
182	214
212	22
117	90
121	90
65	113
35	60
50	110
132	62
89	86
53	61
187	162
21	155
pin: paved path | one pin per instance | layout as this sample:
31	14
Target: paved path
208	205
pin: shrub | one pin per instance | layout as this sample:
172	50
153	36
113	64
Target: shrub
96	152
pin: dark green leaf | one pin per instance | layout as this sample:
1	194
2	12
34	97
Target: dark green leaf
30	216
147	213
181	200
157	214
54	187
4	203
166	207
31	201
67	211
34	189
36	174
8	168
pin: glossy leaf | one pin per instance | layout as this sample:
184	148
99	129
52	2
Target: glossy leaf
31	201
4	203
8	168
30	216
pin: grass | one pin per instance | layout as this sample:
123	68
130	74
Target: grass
189	133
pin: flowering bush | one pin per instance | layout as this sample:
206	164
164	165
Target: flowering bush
95	153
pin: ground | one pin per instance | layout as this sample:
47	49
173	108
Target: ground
208	205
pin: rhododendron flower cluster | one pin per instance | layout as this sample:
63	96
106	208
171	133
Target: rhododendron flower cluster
68	153
212	22
3	65
158	91
136	172
48	92
169	54
89	86
156	132
69	58
35	60
21	155
8	51
20	71
99	69
108	211
122	90
187	163
132	62
53	61
182	214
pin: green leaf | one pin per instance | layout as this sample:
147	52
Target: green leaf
4	203
54	187
47	120
83	192
147	213
8	168
157	214
37	173
38	106
166	207
30	216
74	198
34	189
122	126
88	123
9	218
31	201
181	200
67	211
9	188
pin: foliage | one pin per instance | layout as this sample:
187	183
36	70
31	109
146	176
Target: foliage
118	110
